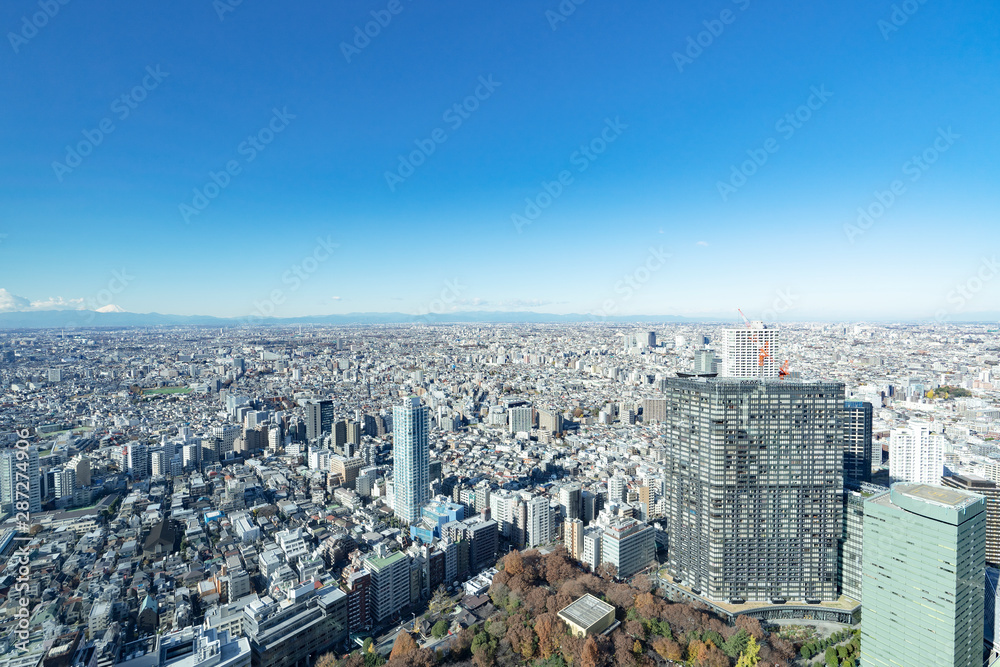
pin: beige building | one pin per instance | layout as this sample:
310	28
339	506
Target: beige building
588	616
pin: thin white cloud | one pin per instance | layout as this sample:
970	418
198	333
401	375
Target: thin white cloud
12	303
702	243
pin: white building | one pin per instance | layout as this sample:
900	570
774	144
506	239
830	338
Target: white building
916	454
541	522
750	352
411	458
520	420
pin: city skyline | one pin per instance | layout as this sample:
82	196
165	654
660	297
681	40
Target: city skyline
661	162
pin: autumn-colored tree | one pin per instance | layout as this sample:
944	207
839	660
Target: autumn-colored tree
590	656
697	652
607	571
326	660
751	625
620	595
548	627
751	656
513	564
404	645
635	629
642	583
668	649
714	657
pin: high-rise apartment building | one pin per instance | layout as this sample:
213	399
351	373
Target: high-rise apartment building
541	522
858	440
520	419
410	458
390	583
571	499
916	454
15	470
754	483
924	555
750	352
137	459
989	489
654	410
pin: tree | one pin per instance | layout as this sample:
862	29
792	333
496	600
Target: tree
751	656
668	649
607	571
642	583
590	656
440	629
326	660
405	645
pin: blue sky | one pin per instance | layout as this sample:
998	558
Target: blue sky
443	237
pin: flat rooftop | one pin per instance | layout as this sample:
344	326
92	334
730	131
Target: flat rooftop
586	611
941	495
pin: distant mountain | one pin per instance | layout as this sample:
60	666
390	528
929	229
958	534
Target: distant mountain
76	319
82	319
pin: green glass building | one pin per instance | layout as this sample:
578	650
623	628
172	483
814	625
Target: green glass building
923	569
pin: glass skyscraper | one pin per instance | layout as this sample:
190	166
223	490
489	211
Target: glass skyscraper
924	569
754	477
410	458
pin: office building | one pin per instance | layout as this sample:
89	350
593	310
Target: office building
990	490
851	544
298	629
346	469
411	459
858	440
705	363
319	419
754	483
629	545
916	454
750	352
195	647
924	558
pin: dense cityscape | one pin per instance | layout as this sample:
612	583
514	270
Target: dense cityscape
698	494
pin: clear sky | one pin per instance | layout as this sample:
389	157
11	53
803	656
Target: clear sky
311	117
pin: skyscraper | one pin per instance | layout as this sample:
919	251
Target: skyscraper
571	498
916	454
924	549
14	470
750	352
754	483
857	440
989	489
410	458
520	420
319	418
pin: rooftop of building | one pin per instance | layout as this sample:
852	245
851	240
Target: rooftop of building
586	611
938	495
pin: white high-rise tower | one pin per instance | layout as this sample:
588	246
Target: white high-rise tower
750	352
916	454
410	458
